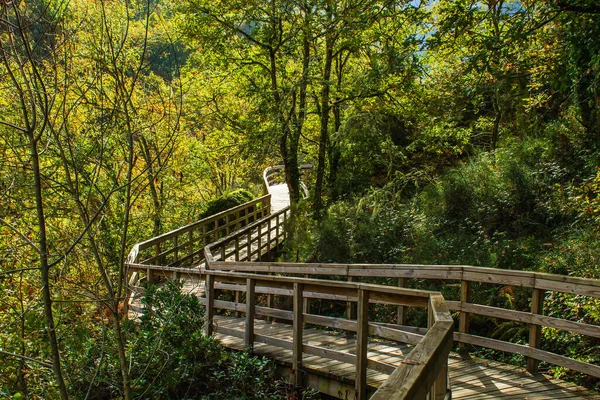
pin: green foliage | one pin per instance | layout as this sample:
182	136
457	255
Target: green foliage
522	207
226	201
171	358
369	151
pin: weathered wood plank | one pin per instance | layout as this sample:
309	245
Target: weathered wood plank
298	327
361	343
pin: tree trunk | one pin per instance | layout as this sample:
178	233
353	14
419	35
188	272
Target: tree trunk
334	151
324	136
45	268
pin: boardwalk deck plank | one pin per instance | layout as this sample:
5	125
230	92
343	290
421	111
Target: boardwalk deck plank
470	379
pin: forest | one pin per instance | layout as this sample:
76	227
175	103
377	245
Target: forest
448	132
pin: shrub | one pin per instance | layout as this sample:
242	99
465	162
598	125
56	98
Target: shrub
227	201
172	359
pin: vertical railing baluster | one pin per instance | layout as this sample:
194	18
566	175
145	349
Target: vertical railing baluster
268	235
306	301
298	326
349	304
535	331
277	233
362	341
440	386
259	242
463	323
270	303
250	311
401	317
191	246
157	258
149	275
175	249
209	292
249	247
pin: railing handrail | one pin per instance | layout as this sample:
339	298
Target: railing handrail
208	255
417	375
184	229
132	257
538	281
269	171
530	279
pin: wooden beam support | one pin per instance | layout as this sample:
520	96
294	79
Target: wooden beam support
250	312
535	331
258	237
350	306
298	326
249	247
362	340
401	317
209	290
440	385
237	248
463	323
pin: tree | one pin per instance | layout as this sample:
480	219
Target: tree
261	43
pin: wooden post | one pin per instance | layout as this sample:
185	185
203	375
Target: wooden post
223	248
401	309
227	222
463	323
238	296
277	234
362	341
259	242
209	290
298	326
350	313
149	275
237	248
204	238
176	249
157	258
250	309
249	249
270	300
191	247
535	331
440	385
285	234
306	302
269	235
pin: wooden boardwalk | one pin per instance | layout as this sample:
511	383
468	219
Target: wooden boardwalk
280	197
469	379
331	355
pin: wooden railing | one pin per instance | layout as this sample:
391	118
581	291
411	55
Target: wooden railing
539	283
423	372
232	239
252	241
274	176
184	247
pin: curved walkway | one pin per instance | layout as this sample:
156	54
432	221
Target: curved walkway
252	236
